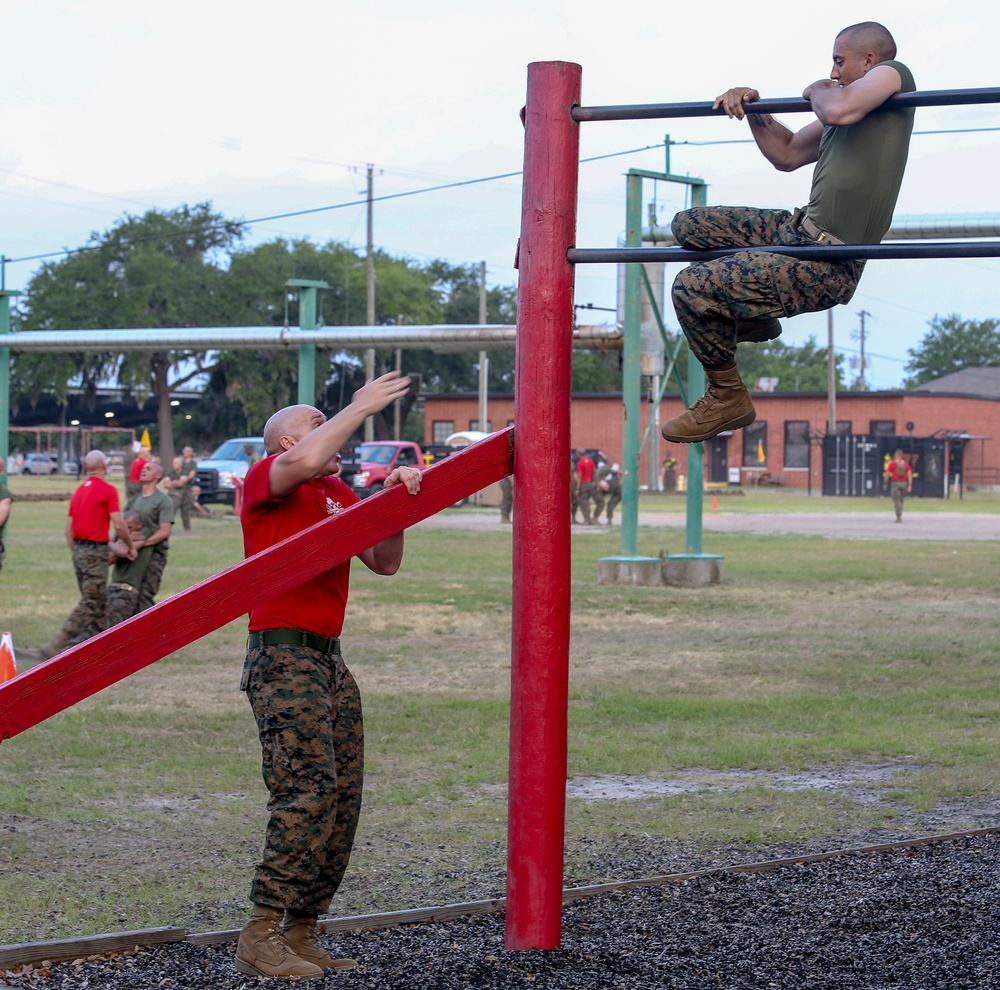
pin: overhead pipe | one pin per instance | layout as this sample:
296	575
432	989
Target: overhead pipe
471	337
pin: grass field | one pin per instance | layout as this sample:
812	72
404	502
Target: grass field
828	691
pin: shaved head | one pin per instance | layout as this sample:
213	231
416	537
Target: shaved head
95	461
292	421
869	37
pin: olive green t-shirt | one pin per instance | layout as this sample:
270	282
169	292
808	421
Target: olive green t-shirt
131	572
5	493
860	169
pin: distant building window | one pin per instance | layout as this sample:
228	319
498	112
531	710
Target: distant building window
882	428
474	425
796	443
441	429
755	445
844	427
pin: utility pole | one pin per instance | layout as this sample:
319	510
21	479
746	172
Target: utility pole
484	357
831	378
370	352
860	335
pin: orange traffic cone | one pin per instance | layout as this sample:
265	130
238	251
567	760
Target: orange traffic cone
715	503
8	668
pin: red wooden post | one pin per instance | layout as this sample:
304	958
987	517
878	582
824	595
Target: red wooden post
541	597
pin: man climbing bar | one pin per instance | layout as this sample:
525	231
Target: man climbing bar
859	146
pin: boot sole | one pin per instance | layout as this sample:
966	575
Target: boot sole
757	331
247	969
734	424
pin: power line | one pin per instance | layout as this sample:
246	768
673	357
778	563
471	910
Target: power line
65	252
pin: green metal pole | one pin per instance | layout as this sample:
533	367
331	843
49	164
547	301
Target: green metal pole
307	321
696	466
696	451
4	382
631	371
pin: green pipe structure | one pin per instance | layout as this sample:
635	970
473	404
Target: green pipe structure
5	298
636	280
308	289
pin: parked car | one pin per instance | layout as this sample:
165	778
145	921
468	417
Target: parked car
43	463
374	461
217	476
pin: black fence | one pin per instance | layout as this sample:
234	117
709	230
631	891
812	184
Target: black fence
854	465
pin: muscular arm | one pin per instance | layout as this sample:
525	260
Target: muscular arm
785	149
123	533
837	105
162	533
385	557
4	510
309	457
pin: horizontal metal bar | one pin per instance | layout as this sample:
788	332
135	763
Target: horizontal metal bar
919	228
652	111
839	252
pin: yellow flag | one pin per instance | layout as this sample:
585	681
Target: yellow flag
144	439
760	452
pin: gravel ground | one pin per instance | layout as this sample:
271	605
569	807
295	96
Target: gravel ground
923	918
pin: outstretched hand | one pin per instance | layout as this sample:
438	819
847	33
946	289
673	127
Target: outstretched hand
733	100
375	395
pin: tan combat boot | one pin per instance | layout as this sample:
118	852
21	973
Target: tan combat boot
725	405
57	644
299	931
263	951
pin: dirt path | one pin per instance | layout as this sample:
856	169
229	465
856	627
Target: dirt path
852	525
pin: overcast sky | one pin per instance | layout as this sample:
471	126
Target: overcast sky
108	107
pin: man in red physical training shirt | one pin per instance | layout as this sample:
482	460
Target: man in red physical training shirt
586	472
305	700
898	478
92	509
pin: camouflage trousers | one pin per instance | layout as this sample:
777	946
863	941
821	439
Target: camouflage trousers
506	498
711	296
587	497
88	618
123	600
898	490
308	711
151	579
187	506
613	498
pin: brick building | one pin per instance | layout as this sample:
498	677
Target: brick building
777	447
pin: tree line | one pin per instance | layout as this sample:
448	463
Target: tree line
189	267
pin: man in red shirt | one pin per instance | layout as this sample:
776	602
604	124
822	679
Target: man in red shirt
305	700
586	472
898	477
93	507
133	483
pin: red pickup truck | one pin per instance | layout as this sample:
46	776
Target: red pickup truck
373	462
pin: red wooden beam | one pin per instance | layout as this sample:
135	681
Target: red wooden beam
83	670
541	563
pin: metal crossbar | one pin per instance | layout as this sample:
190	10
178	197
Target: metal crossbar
655	111
826	252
